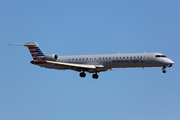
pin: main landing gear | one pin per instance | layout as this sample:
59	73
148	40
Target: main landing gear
163	69
82	74
94	76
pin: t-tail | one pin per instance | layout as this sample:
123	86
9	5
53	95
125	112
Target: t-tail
34	49
37	53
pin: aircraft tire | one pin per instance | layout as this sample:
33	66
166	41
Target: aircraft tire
82	74
95	76
164	71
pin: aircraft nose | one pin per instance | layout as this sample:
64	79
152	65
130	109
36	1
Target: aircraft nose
168	61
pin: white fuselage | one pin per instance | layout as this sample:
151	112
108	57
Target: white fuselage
114	61
96	63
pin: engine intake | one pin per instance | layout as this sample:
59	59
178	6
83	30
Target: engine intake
52	57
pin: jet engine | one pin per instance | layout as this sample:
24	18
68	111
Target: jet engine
52	57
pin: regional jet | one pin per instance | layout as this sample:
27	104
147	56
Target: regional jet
96	63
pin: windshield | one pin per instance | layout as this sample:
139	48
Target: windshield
160	56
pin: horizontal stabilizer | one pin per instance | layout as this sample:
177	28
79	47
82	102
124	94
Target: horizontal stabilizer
16	44
27	44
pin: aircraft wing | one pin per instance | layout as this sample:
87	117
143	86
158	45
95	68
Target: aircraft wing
76	65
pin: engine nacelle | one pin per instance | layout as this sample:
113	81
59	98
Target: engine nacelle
52	57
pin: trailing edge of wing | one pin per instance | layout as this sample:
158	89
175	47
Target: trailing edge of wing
75	65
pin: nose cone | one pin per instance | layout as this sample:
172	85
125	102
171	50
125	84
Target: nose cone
168	61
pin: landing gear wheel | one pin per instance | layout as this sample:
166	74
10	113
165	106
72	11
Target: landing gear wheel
95	76
164	71
82	74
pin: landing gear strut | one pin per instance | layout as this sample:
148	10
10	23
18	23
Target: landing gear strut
82	74
95	76
163	69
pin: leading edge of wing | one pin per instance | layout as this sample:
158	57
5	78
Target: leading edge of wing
76	65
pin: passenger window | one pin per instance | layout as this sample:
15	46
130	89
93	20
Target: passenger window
130	57
79	58
109	57
86	58
116	57
138	57
123	57
127	57
83	58
100	58
73	59
134	57
76	59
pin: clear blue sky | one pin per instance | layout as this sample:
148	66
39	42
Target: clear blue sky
70	27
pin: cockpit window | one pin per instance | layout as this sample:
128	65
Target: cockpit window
160	56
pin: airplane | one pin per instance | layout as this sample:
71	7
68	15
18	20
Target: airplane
96	63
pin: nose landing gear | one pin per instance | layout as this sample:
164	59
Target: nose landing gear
163	69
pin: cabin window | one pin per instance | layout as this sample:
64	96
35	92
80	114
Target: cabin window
83	58
100	58
73	59
68	59
127	57
106	58
94	58
109	57
134	57
138	57
141	56
116	57
130	57
76	59
123	57
86	58
79	58
103	58
90	58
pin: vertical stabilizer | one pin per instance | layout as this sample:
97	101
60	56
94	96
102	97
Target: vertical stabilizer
35	50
